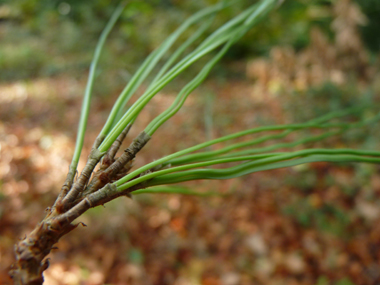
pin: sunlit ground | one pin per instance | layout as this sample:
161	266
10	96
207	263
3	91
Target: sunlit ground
311	224
291	226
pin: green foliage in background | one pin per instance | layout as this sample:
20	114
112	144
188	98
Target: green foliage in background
370	32
44	38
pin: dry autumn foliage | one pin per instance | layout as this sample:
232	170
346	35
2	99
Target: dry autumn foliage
173	239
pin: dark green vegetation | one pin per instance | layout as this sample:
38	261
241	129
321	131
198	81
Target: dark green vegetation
45	38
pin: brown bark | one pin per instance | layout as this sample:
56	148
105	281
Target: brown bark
73	200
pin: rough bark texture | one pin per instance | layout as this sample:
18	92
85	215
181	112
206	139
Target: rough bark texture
31	251
73	200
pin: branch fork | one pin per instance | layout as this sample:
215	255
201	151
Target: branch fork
74	199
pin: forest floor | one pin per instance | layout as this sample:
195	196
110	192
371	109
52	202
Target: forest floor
317	224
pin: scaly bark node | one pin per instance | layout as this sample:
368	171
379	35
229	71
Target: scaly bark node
74	199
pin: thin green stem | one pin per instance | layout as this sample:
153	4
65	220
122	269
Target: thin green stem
255	162
247	168
150	62
176	54
136	108
181	97
90	83
185	92
342	126
230	36
174	190
170	157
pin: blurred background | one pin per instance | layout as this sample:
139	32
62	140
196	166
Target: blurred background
316	224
